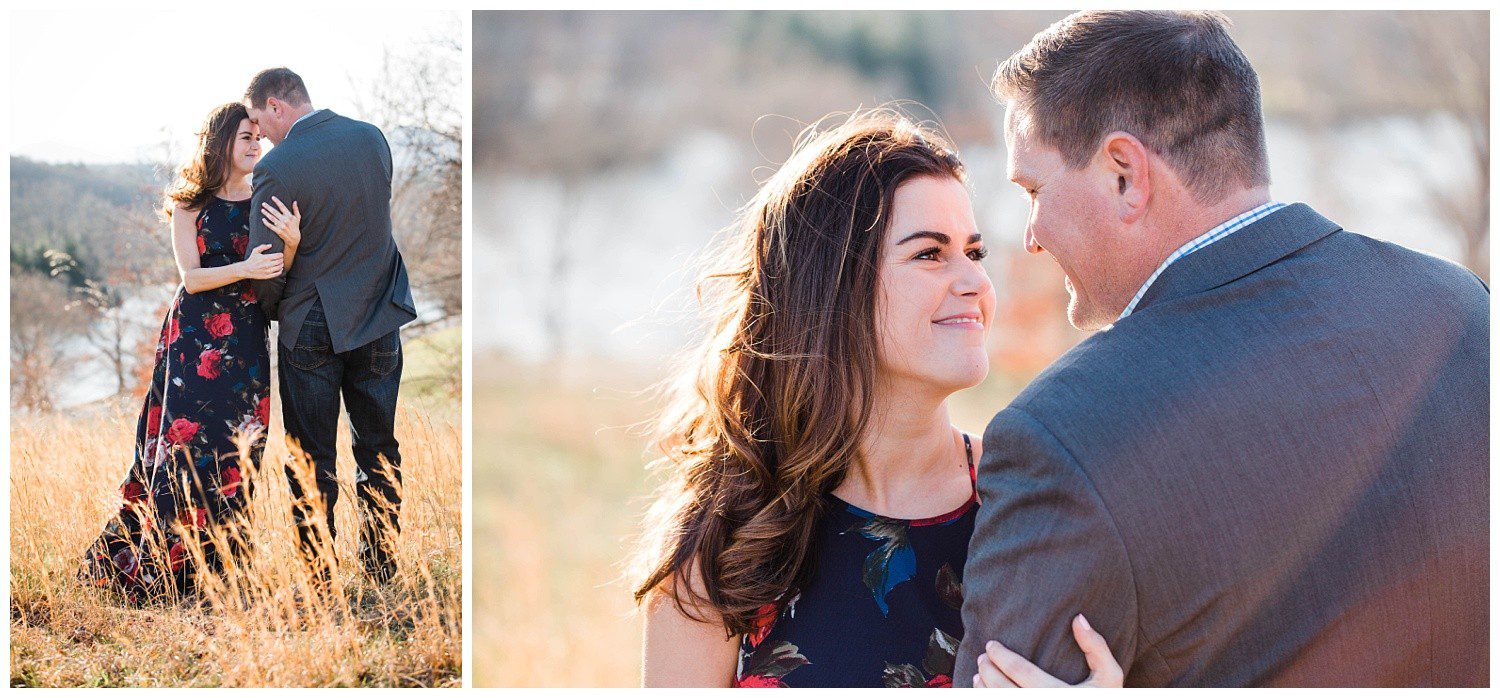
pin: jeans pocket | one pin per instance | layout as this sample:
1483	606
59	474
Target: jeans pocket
385	354
314	346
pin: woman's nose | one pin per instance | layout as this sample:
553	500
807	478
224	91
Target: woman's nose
973	281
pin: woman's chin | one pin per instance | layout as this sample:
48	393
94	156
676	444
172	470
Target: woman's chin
962	377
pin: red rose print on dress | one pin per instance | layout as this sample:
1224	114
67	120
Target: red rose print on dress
753	681
208	363
218	325
940	681
176	555
202	245
263	410
153	422
240	243
128	564
195	518
248	295
133	492
182	431
173	332
764	619
230	481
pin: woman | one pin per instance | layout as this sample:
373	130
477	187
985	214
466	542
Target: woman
205	413
816	524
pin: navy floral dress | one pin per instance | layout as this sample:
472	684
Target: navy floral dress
211	383
881	609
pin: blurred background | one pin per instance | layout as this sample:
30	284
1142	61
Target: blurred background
104	108
610	149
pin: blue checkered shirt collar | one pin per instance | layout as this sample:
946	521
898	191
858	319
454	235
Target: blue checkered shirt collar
1219	232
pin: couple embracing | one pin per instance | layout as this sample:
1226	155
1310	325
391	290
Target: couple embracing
303	237
1269	465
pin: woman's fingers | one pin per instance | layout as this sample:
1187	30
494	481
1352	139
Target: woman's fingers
261	248
1104	670
1016	668
281	216
990	676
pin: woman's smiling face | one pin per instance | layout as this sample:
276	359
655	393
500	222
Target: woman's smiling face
244	150
935	302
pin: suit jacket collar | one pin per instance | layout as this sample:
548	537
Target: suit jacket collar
1255	247
312	120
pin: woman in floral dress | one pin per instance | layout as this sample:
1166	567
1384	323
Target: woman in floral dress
184	500
815	528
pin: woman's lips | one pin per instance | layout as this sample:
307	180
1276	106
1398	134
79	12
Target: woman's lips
962	322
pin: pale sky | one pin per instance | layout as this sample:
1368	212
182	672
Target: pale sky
114	85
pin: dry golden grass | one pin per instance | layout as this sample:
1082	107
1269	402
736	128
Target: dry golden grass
559	484
65	474
560	487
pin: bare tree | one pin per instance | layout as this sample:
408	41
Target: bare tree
1327	70
39	327
1450	57
418	103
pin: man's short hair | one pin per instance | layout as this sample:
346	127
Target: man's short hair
281	83
1174	80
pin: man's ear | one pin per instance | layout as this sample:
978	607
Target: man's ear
1128	162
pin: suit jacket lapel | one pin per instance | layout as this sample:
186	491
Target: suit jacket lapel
1258	245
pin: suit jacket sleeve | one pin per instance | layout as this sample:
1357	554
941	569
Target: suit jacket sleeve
265	185
1044	549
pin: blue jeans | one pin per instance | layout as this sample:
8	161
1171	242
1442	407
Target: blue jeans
313	378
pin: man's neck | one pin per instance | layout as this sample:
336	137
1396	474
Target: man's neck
1182	225
1192	220
302	112
1203	219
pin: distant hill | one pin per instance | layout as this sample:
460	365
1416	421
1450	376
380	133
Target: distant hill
90	208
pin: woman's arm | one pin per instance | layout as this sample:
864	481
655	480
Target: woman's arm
195	278
682	652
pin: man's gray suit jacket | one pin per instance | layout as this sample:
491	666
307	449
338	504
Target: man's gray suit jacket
338	170
1274	472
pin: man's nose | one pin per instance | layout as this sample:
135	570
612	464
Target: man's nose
1031	244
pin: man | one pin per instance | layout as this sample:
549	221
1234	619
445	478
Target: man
1270	466
341	304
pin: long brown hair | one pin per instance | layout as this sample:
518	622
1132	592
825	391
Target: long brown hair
206	172
767	418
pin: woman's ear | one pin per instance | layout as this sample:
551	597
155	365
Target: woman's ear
1127	161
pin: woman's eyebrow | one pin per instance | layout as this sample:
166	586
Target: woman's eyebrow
941	238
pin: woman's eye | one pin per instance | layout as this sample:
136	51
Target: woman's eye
979	253
931	254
